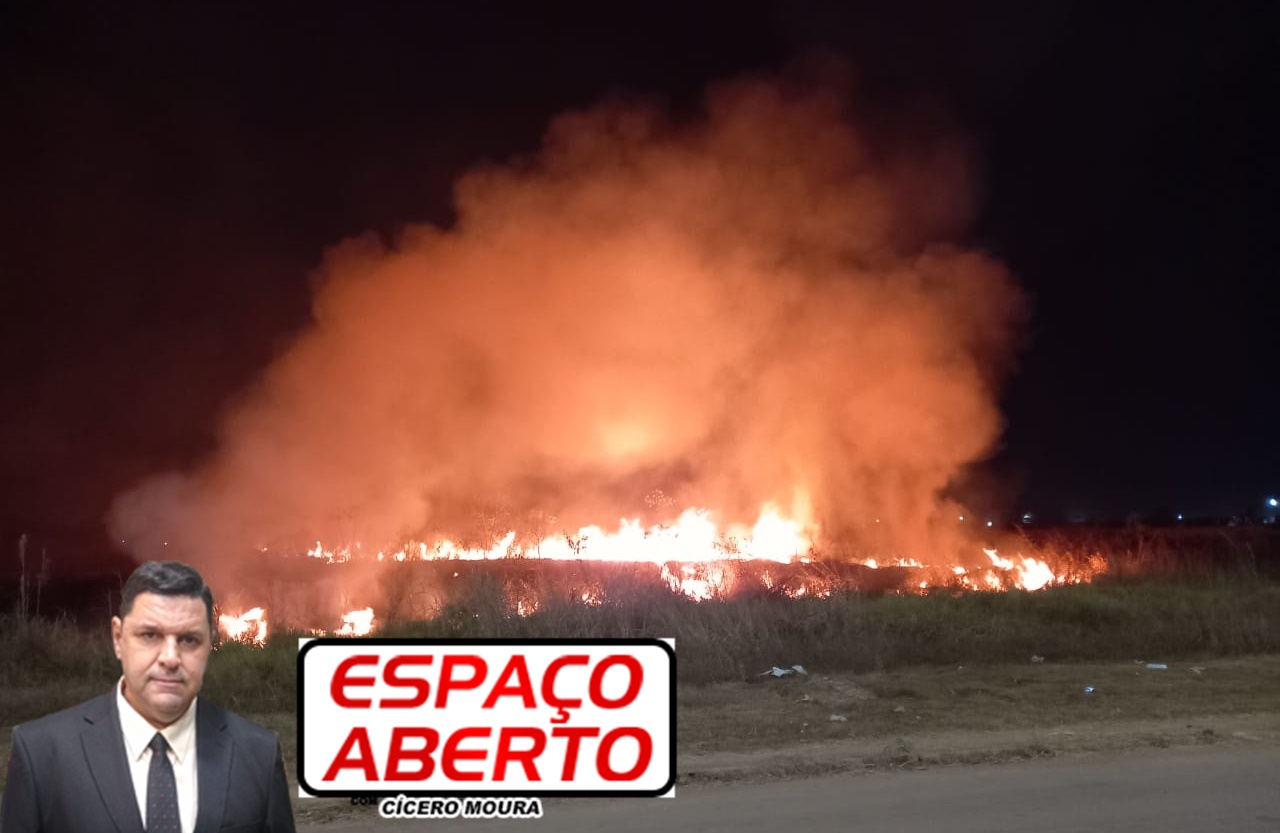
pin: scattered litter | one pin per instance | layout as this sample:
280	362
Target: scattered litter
1037	658
804	698
775	671
1088	689
839	718
1158	666
899	709
1196	669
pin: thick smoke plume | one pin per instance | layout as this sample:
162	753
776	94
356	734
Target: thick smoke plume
754	306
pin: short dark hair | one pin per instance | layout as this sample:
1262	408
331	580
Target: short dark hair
167	578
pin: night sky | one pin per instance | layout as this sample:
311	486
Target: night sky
172	176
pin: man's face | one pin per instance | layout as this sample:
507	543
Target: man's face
163	644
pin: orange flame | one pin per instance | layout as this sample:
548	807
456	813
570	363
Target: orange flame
697	557
356	623
695	538
249	627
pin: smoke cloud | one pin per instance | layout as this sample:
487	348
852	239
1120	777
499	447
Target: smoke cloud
754	305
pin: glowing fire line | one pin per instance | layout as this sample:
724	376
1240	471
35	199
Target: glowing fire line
693	537
250	626
691	552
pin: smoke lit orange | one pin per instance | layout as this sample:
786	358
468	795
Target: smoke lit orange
763	311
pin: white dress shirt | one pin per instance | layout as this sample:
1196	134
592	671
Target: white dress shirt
181	735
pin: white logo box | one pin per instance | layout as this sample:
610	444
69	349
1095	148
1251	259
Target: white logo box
495	717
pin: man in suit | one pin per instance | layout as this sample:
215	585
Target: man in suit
149	755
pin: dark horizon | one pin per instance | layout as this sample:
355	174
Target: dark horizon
175	175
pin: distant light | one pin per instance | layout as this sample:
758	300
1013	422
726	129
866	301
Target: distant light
1179	516
962	517
1026	517
1271	502
988	523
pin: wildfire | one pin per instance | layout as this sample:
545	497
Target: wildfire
739	303
692	552
699	585
250	626
693	537
703	560
356	623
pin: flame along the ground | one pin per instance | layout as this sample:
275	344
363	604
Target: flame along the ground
697	559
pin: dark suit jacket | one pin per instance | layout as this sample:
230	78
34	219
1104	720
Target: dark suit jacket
68	774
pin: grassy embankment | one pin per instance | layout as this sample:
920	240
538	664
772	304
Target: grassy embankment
49	664
900	668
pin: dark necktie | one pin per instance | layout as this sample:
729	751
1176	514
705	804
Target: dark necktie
162	792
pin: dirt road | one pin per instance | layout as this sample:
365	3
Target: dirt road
1191	789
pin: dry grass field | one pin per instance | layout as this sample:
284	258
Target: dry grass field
893	680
